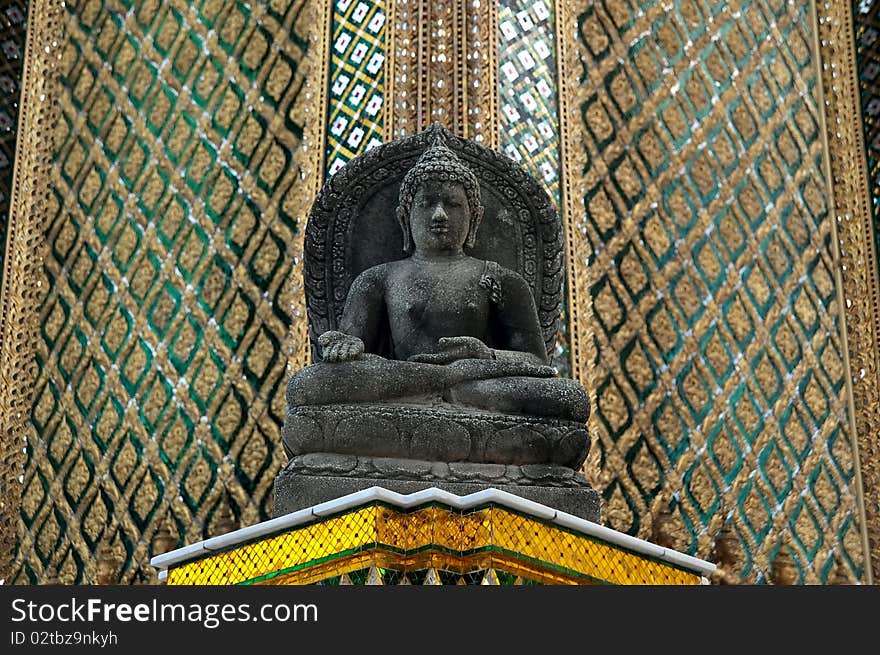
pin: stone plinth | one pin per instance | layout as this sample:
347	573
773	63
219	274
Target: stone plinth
318	477
440	431
340	449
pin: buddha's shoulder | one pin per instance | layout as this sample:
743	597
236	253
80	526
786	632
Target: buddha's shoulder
374	276
493	269
387	273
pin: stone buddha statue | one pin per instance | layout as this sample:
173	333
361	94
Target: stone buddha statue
435	372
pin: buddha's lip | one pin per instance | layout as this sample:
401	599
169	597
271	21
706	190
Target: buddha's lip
440	227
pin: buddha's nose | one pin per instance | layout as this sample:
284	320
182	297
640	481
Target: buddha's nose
439	213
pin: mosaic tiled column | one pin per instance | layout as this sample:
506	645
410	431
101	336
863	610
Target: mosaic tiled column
710	326
357	78
174	232
705	297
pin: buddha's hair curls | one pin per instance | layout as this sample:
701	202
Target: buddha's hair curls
439	162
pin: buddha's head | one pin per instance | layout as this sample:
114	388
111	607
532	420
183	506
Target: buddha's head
439	205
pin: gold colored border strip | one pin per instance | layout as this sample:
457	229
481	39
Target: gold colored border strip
571	150
319	572
839	292
858	258
489	105
476	49
423	74
391	46
431	72
310	159
21	290
479	562
460	91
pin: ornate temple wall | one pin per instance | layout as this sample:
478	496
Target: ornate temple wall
173	224
730	354
715	329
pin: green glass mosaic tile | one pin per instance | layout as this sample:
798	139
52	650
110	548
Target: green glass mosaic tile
160	392
528	108
719	368
357	79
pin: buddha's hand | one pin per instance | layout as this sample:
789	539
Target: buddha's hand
454	348
339	346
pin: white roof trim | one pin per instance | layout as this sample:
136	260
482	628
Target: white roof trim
405	501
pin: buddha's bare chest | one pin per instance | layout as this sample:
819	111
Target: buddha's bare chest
435	304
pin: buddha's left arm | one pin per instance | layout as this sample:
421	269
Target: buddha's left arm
516	329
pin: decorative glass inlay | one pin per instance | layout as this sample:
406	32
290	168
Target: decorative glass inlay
719	368
173	229
528	108
357	79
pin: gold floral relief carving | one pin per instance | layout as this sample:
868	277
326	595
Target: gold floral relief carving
22	284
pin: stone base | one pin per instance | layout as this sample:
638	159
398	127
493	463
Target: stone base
441	432
311	479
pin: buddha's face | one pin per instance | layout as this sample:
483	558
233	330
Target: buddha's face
440	217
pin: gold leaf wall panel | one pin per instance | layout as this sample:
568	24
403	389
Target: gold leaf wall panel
705	298
707	316
174	225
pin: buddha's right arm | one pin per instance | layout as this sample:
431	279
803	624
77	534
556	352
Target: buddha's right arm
365	307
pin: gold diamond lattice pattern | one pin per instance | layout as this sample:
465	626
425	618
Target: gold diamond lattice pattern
357	76
173	231
706	251
434	545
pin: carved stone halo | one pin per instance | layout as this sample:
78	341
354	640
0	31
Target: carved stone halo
352	226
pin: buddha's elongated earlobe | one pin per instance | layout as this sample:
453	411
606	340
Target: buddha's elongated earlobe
403	220
476	218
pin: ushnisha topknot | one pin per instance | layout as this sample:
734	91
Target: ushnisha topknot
439	162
